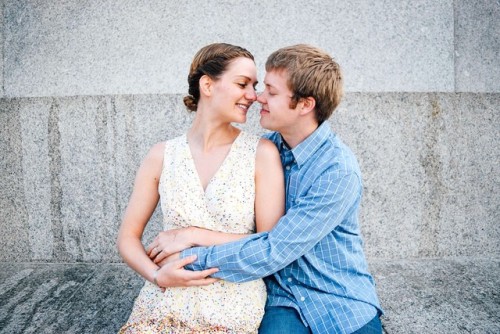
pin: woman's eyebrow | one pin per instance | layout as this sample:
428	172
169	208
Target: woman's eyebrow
244	76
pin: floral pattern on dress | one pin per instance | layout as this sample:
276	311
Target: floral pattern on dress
227	205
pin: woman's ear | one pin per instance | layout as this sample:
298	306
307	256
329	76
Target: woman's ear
308	105
206	85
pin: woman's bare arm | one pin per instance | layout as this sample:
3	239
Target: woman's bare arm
269	186
141	206
139	210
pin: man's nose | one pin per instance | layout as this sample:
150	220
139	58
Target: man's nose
261	98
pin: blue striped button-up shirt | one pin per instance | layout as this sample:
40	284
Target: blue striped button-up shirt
314	254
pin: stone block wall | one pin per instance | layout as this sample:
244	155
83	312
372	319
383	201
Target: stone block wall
89	86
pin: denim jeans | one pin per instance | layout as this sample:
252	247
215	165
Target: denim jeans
286	320
373	327
282	320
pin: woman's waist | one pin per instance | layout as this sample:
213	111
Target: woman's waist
222	287
218	297
233	222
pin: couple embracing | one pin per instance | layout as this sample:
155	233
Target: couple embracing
260	234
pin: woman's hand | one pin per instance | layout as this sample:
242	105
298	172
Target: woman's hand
169	242
173	274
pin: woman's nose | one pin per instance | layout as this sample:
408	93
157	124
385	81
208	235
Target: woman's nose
251	95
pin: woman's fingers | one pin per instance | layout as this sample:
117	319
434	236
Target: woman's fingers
173	274
160	257
202	282
152	246
153	253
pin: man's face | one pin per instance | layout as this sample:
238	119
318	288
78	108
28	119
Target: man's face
276	114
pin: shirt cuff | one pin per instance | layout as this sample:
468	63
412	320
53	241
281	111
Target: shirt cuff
199	263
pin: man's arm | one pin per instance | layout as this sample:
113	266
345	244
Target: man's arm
309	219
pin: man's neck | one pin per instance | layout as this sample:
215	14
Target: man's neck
293	138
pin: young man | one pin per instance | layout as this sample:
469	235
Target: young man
316	273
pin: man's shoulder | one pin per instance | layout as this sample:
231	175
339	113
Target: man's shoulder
337	156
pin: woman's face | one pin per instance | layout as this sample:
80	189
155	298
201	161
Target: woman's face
234	92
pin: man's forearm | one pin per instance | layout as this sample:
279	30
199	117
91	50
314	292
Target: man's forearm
237	267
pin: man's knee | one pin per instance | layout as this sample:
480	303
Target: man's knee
373	327
282	320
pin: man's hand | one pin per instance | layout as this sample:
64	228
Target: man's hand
173	274
167	243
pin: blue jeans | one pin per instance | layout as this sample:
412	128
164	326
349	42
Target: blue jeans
373	327
282	320
286	320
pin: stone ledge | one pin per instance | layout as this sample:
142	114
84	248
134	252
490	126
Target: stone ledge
452	295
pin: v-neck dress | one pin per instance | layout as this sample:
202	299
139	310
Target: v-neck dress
226	205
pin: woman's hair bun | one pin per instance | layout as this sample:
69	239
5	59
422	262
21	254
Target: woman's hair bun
190	103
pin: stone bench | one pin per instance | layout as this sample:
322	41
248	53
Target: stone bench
452	295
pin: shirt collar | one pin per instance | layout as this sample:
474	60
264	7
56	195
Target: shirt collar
309	146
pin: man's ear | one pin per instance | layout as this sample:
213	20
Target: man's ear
206	85
307	105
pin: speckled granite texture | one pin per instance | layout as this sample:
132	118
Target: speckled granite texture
418	296
429	162
145	47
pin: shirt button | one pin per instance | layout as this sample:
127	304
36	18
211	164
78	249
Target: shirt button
302	299
289	279
287	167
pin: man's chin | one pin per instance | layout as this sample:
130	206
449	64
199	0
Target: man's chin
265	125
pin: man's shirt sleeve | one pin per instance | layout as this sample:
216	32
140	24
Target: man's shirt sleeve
309	219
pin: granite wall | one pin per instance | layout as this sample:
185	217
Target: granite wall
89	86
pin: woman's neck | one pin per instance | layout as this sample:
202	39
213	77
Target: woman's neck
208	133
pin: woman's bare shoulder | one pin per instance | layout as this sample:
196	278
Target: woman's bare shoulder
267	154
266	147
157	150
154	157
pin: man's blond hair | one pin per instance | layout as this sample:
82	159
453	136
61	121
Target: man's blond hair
311	73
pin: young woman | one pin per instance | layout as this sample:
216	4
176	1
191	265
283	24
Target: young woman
215	177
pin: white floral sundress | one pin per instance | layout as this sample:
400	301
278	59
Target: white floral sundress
227	205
